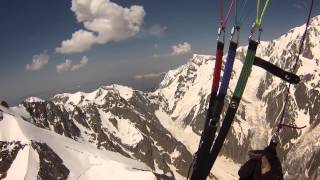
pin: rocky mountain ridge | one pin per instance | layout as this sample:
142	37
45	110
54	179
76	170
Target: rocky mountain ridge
162	128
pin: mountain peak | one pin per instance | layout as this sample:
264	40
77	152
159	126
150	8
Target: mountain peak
203	56
96	96
34	99
162	128
36	152
124	91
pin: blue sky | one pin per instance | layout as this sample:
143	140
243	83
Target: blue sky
151	37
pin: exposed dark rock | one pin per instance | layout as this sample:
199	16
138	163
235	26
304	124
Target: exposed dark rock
197	123
80	117
4	104
156	147
313	166
51	165
8	153
47	115
163	177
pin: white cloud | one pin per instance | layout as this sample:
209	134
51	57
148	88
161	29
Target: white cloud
180	49
83	63
81	41
147	76
38	62
68	66
104	21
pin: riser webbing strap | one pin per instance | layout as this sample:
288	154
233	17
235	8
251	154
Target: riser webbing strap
273	69
228	67
219	102
246	69
217	67
215	111
215	108
206	138
233	106
215	82
202	173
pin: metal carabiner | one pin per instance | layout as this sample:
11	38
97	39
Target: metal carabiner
235	34
221	34
255	35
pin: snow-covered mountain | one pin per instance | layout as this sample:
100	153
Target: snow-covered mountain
183	95
114	118
161	129
29	152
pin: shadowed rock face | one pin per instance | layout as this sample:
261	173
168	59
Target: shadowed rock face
8	153
303	104
4	104
107	124
162	177
49	116
304	97
311	104
51	165
109	120
197	123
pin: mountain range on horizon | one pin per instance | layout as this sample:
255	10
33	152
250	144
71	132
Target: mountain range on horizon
116	131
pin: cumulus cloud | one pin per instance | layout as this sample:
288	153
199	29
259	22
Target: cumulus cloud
68	66
103	21
81	41
38	62
83	63
180	49
148	76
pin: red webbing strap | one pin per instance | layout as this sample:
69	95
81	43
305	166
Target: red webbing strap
217	70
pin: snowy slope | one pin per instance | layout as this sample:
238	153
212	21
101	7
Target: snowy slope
183	96
162	128
114	118
67	158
